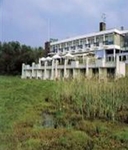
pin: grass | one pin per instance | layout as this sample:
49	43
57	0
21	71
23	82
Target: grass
73	114
121	136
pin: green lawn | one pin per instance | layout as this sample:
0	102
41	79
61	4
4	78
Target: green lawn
59	115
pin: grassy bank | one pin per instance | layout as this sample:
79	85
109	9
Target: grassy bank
79	114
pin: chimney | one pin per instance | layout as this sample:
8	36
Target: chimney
122	28
102	26
47	47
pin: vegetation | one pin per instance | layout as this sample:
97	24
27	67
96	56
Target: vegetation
79	114
13	54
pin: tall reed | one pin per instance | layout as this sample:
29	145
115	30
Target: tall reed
91	98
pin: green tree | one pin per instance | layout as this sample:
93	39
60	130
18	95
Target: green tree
13	54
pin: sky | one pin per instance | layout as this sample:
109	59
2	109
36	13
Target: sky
32	22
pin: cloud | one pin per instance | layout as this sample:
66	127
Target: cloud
21	17
27	20
23	14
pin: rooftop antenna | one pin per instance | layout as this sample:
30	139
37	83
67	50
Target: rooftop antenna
102	25
49	29
103	17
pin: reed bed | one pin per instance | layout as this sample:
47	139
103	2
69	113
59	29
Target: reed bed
93	99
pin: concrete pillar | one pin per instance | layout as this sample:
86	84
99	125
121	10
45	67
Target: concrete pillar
74	73
33	70
94	39
30	73
100	73
39	62
39	74
114	54
65	71
87	68
117	66
83	58
56	71
90	73
45	65
26	73
104	57
52	71
23	71
39	65
104	38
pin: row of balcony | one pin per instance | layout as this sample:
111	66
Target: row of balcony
85	46
87	49
92	63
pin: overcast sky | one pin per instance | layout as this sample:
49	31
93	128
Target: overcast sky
32	22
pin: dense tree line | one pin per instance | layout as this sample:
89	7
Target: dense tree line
13	54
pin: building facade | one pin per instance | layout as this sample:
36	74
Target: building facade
102	54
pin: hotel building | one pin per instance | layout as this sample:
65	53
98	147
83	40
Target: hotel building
101	54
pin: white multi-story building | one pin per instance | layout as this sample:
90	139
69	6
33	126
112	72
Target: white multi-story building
102	54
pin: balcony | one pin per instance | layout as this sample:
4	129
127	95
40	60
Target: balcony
75	64
110	64
100	62
60	66
27	67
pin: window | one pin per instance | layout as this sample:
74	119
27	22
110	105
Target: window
61	49
84	41
62	45
54	49
99	39
109	39
76	42
42	63
66	48
124	58
80	46
97	43
87	45
91	40
100	53
69	43
73	47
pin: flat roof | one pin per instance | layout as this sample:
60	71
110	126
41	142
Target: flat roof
89	35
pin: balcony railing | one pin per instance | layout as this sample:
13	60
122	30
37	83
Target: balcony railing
80	63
